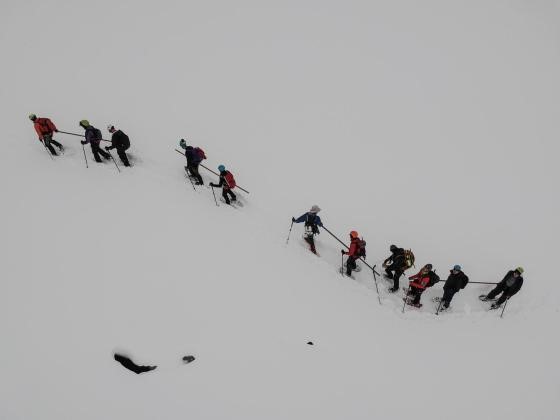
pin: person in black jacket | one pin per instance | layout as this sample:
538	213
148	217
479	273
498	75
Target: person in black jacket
456	281
395	266
119	141
509	286
225	185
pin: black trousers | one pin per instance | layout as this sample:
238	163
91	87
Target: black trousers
500	288
350	265
48	142
193	169
395	274
448	296
96	150
415	293
309	239
226	192
122	156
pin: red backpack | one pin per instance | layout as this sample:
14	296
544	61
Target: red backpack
230	180
200	153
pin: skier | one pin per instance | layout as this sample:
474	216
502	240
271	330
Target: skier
395	265
421	281
227	182
93	137
356	250
456	281
509	286
45	129
194	156
119	141
312	221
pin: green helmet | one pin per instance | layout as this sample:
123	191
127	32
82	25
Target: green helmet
32	117
519	270
84	123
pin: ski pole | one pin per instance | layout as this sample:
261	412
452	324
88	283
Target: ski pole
342	264
480	282
190	179
85	157
504	308
439	306
375	280
47	150
291	226
115	162
211	171
405	298
216	201
79	135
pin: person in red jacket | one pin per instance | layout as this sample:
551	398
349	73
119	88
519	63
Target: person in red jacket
423	279
45	129
355	251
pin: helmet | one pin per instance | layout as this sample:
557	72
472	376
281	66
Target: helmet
428	266
221	168
32	117
456	267
84	123
183	143
353	234
315	209
110	127
393	248
519	270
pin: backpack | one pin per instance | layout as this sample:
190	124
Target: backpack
408	259
97	132
230	180
311	223
434	278
125	141
200	153
361	251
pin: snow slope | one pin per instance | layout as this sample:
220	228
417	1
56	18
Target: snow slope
430	126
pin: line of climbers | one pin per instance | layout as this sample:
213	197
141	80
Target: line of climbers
402	259
395	265
45	129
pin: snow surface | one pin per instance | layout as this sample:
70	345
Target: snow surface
432	125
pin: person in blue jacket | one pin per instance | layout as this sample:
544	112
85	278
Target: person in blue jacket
312	223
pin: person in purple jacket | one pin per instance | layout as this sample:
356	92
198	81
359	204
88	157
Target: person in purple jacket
194	156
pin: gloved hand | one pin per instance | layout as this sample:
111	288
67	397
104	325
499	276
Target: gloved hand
83	142
342	251
56	131
213	185
107	148
293	219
